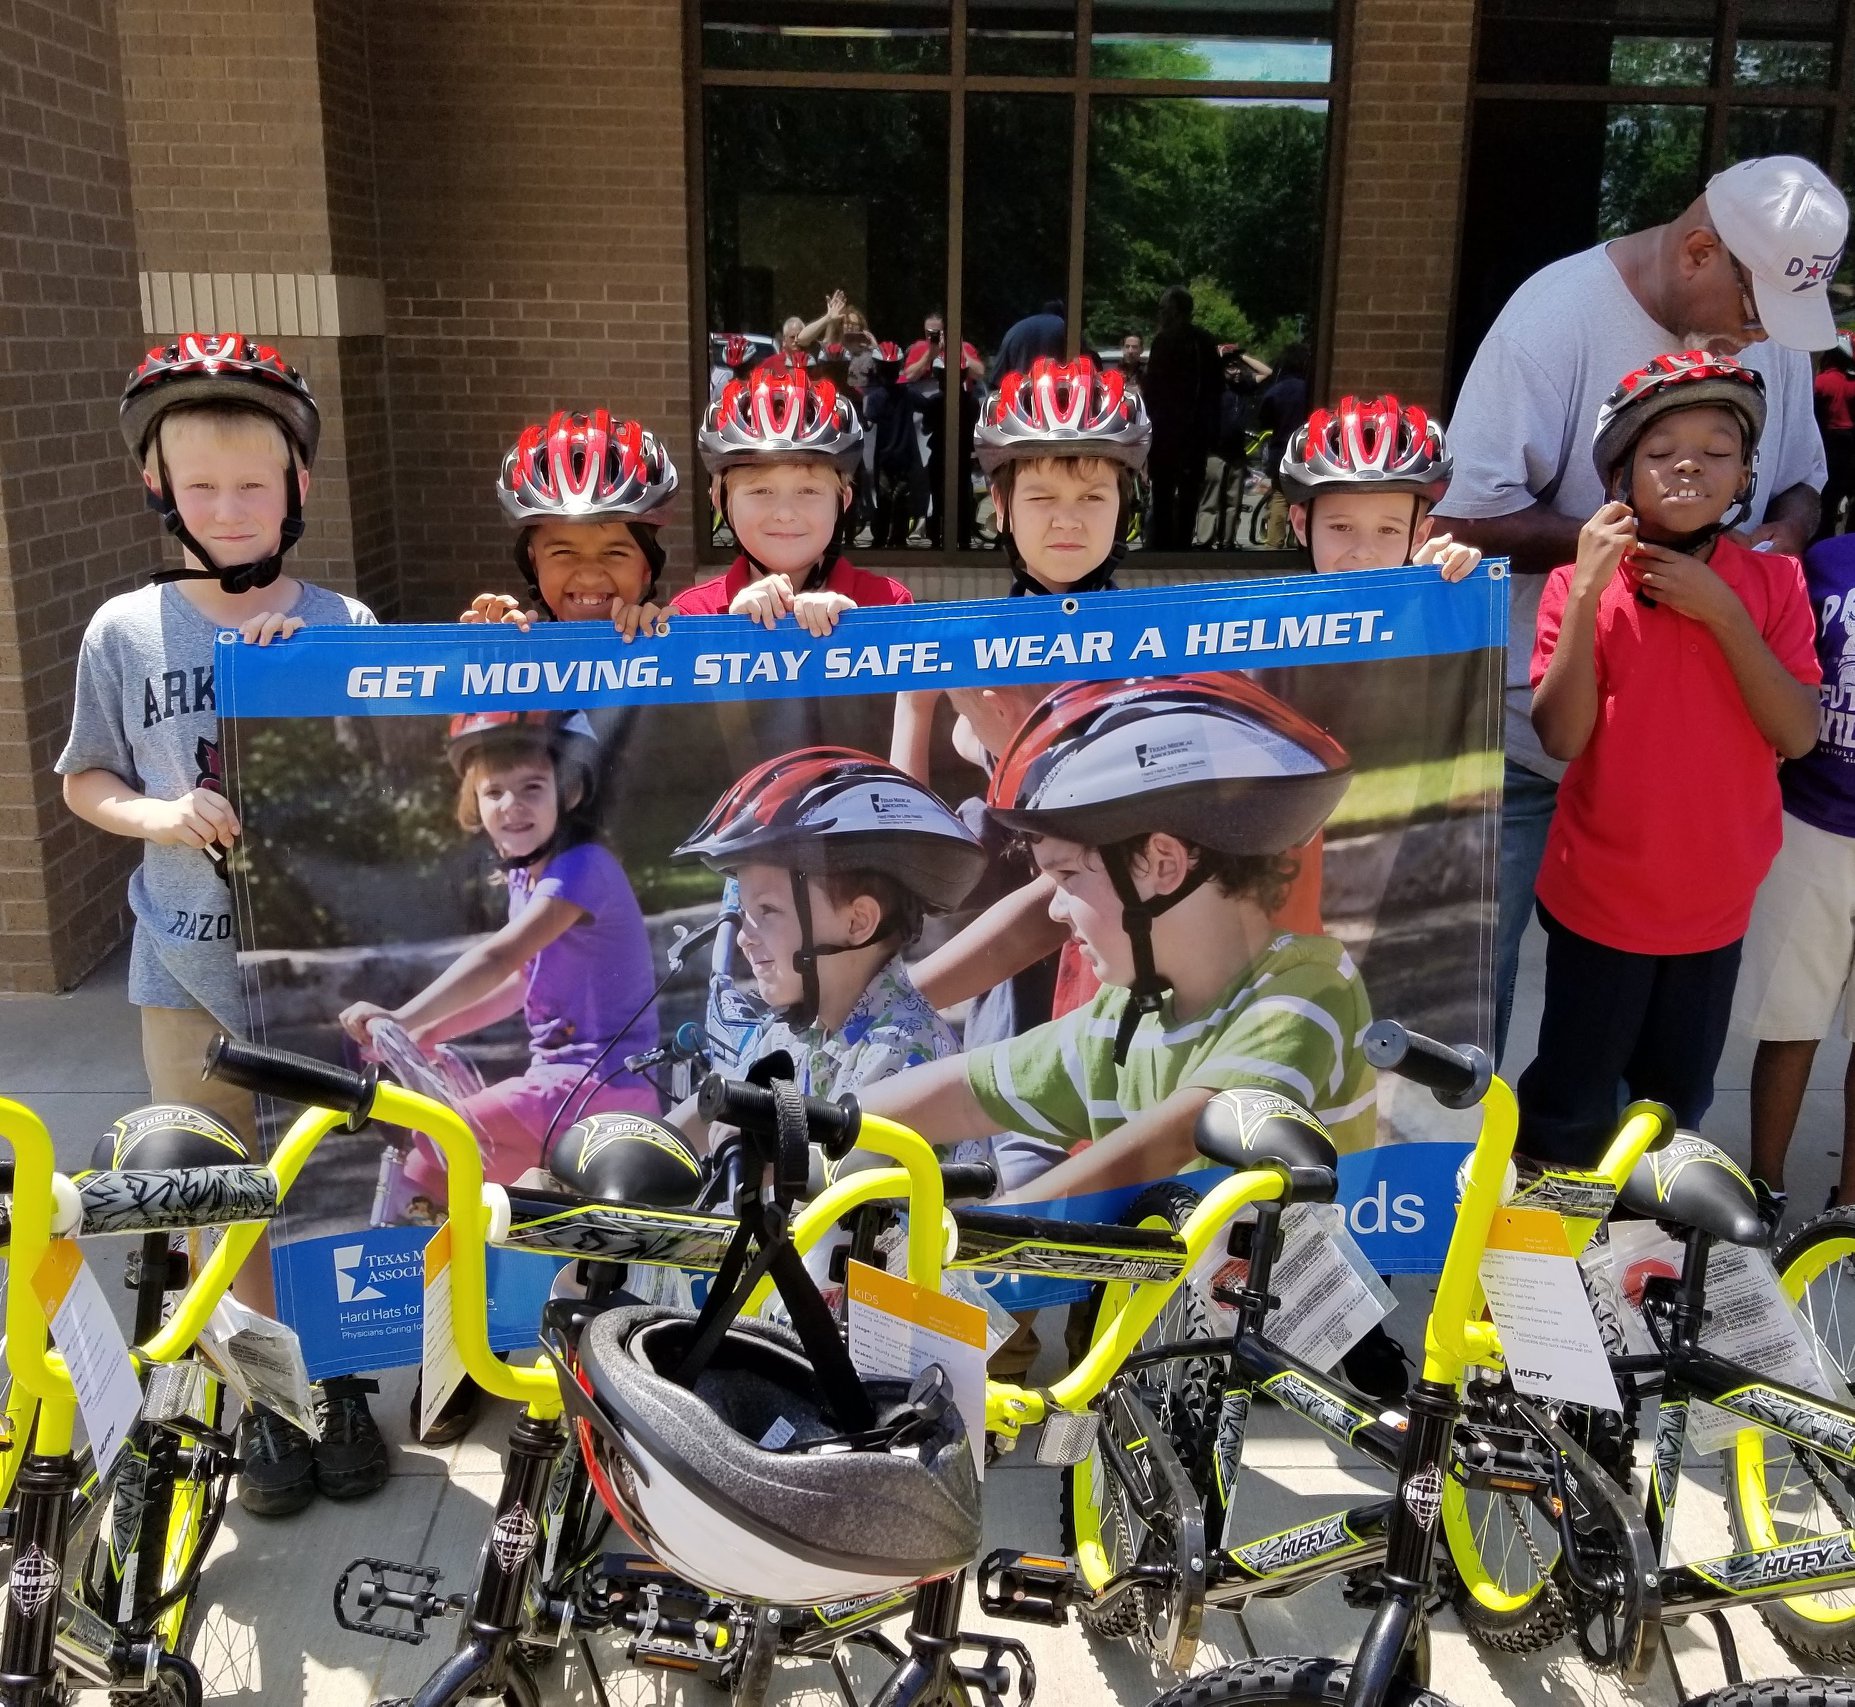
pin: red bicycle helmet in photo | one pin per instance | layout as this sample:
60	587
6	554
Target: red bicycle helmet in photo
1215	760
1376	444
1063	409
780	413
736	350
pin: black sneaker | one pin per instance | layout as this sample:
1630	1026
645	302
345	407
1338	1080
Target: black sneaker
454	1416
351	1458
1378	1366
277	1467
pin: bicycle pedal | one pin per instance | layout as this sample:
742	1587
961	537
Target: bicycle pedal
416	1596
666	1653
1031	1587
990	1679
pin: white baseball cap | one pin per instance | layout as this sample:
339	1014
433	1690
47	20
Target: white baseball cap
1785	223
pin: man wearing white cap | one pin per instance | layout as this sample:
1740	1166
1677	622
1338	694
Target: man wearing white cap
1743	271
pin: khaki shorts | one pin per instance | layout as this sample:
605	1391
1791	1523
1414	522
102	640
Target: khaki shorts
1800	945
174	1044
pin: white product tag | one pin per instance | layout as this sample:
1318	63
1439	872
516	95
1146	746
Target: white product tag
1751	1321
898	1329
441	1364
1330	1296
262	1362
659	1285
777	1436
108	1393
1537	1298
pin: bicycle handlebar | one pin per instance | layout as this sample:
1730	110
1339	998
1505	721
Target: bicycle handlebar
133	1200
968	1179
291	1078
1457	1078
832	1126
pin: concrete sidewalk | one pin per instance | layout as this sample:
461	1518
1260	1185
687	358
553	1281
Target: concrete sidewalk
268	1634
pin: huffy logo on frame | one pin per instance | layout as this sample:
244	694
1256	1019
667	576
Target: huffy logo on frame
348	1288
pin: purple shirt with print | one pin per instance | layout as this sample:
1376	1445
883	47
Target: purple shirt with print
595	978
1819	788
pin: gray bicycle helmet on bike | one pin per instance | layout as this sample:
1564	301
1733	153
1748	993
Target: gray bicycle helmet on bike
748	1482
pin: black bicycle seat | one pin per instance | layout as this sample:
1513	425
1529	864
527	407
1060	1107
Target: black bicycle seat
1246	1128
1696	1184
626	1158
169	1135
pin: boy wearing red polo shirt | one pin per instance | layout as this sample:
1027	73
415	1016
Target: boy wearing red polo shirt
1673	667
782	452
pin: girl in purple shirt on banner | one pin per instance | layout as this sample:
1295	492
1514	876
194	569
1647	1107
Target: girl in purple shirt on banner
573	959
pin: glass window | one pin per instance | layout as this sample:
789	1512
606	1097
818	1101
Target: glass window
1752	131
1651	166
826	35
1021	38
1232	41
1621	43
1225	198
1785	44
810	195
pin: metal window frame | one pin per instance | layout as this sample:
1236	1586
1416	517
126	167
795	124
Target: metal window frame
956	83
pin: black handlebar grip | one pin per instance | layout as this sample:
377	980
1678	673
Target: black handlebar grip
832	1126
289	1077
1458	1078
968	1180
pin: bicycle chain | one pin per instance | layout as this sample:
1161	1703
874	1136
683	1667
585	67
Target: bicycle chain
1547	1583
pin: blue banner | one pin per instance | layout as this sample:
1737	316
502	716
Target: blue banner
409	670
369	882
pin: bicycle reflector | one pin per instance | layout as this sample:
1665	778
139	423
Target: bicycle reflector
1067	1437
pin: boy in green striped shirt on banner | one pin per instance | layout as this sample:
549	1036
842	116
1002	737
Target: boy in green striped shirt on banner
1162	810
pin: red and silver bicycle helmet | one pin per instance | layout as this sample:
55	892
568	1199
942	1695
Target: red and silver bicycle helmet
1215	760
218	367
823	809
1685	381
780	414
1063	409
736	350
1378	445
888	352
229	368
747	1483
587	468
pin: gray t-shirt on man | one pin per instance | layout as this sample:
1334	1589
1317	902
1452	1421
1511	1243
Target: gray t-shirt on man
146	712
1522	429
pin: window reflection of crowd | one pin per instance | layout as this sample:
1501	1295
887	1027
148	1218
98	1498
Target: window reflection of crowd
1223	414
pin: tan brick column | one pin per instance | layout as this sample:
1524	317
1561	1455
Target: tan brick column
250	154
1405	153
69	533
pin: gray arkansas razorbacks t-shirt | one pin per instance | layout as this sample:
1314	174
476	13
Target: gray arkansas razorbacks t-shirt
146	712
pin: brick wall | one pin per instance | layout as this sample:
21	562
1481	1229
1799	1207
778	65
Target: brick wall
529	162
1406	122
69	534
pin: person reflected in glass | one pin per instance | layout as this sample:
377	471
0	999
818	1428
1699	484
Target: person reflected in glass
1183	386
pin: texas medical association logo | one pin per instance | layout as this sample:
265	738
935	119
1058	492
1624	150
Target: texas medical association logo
357	1299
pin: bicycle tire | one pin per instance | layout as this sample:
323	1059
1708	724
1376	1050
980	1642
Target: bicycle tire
1781	1692
1506	1604
1088	1534
1285	1682
1814	1265
1259	521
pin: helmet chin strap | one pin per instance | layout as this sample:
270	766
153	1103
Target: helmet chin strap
1149	989
805	962
235	578
1697	538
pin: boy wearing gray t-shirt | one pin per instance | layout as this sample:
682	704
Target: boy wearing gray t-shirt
224	433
